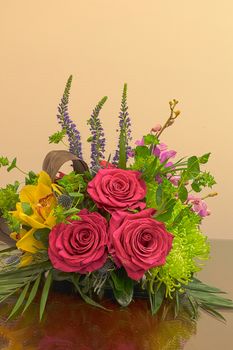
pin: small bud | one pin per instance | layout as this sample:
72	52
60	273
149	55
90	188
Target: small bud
156	128
177	113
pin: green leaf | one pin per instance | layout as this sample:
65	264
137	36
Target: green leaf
193	167
212	312
211	299
156	299
199	286
142	151
182	193
86	298
159	195
150	139
45	293
57	136
177	303
12	165
123	287
196	187
32	293
42	235
27	209
4	161
204	159
194	306
167	211
20	300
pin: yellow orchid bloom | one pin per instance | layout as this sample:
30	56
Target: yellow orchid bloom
35	211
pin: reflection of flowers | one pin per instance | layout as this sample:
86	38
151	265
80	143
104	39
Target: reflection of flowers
133	328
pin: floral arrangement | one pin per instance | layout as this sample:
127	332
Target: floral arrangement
126	225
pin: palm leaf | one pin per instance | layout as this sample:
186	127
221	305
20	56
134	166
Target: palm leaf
45	293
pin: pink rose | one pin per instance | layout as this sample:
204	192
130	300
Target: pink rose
79	246
114	189
138	242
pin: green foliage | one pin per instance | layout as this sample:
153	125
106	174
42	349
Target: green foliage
45	293
150	139
9	197
189	248
19	280
75	280
4	161
62	214
122	287
12	165
203	296
72	183
57	136
31	179
156	298
27	209
42	235
204	159
146	162
204	179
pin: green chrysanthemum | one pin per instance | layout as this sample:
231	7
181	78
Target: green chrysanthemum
189	249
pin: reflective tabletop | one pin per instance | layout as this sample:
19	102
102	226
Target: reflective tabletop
70	324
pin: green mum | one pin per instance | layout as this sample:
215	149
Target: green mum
189	249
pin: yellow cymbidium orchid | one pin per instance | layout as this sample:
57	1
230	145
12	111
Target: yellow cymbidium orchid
35	211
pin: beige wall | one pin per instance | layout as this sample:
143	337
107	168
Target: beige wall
163	49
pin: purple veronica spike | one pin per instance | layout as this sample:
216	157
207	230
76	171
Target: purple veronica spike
66	123
97	135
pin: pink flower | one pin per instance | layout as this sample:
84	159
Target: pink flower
163	154
79	246
114	189
140	142
156	128
138	242
174	179
198	205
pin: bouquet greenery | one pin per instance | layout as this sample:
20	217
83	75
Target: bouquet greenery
126	225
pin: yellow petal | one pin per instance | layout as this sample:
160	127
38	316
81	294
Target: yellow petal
44	178
25	260
28	194
28	243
